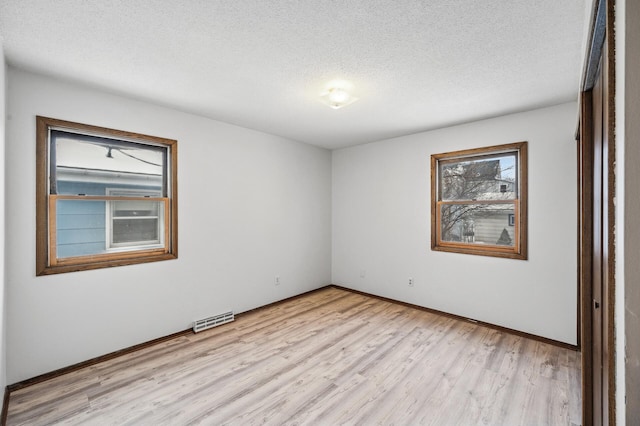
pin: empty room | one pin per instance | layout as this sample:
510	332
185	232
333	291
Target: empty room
340	212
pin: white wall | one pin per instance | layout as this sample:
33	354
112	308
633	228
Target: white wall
381	226
3	312
251	206
628	213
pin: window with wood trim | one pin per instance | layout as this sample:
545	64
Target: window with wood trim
104	197
479	201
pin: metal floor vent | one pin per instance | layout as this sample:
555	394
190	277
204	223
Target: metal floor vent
214	321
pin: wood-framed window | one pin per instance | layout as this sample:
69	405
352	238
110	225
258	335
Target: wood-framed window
479	201
104	197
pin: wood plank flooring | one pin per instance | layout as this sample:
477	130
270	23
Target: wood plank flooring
330	357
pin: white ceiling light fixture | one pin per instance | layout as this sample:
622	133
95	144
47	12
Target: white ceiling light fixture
337	94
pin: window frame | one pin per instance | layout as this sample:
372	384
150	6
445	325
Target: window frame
46	202
519	249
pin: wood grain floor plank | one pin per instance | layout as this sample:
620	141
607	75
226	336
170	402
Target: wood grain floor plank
329	357
297	349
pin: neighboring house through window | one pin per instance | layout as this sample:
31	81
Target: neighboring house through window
479	201
104	197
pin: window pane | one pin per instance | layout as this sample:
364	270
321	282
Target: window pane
135	231
478	223
485	178
87	166
83	227
80	228
136	223
135	208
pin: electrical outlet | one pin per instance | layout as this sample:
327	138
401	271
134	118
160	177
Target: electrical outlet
410	282
363	273
277	280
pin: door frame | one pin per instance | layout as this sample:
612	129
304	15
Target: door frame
601	43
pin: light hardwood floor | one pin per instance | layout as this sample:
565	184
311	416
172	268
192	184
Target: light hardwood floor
330	357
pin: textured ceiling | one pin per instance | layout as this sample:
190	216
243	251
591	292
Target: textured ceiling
414	64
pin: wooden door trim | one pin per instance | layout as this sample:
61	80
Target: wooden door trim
585	218
611	162
602	25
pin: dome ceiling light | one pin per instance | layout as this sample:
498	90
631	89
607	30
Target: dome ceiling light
337	94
